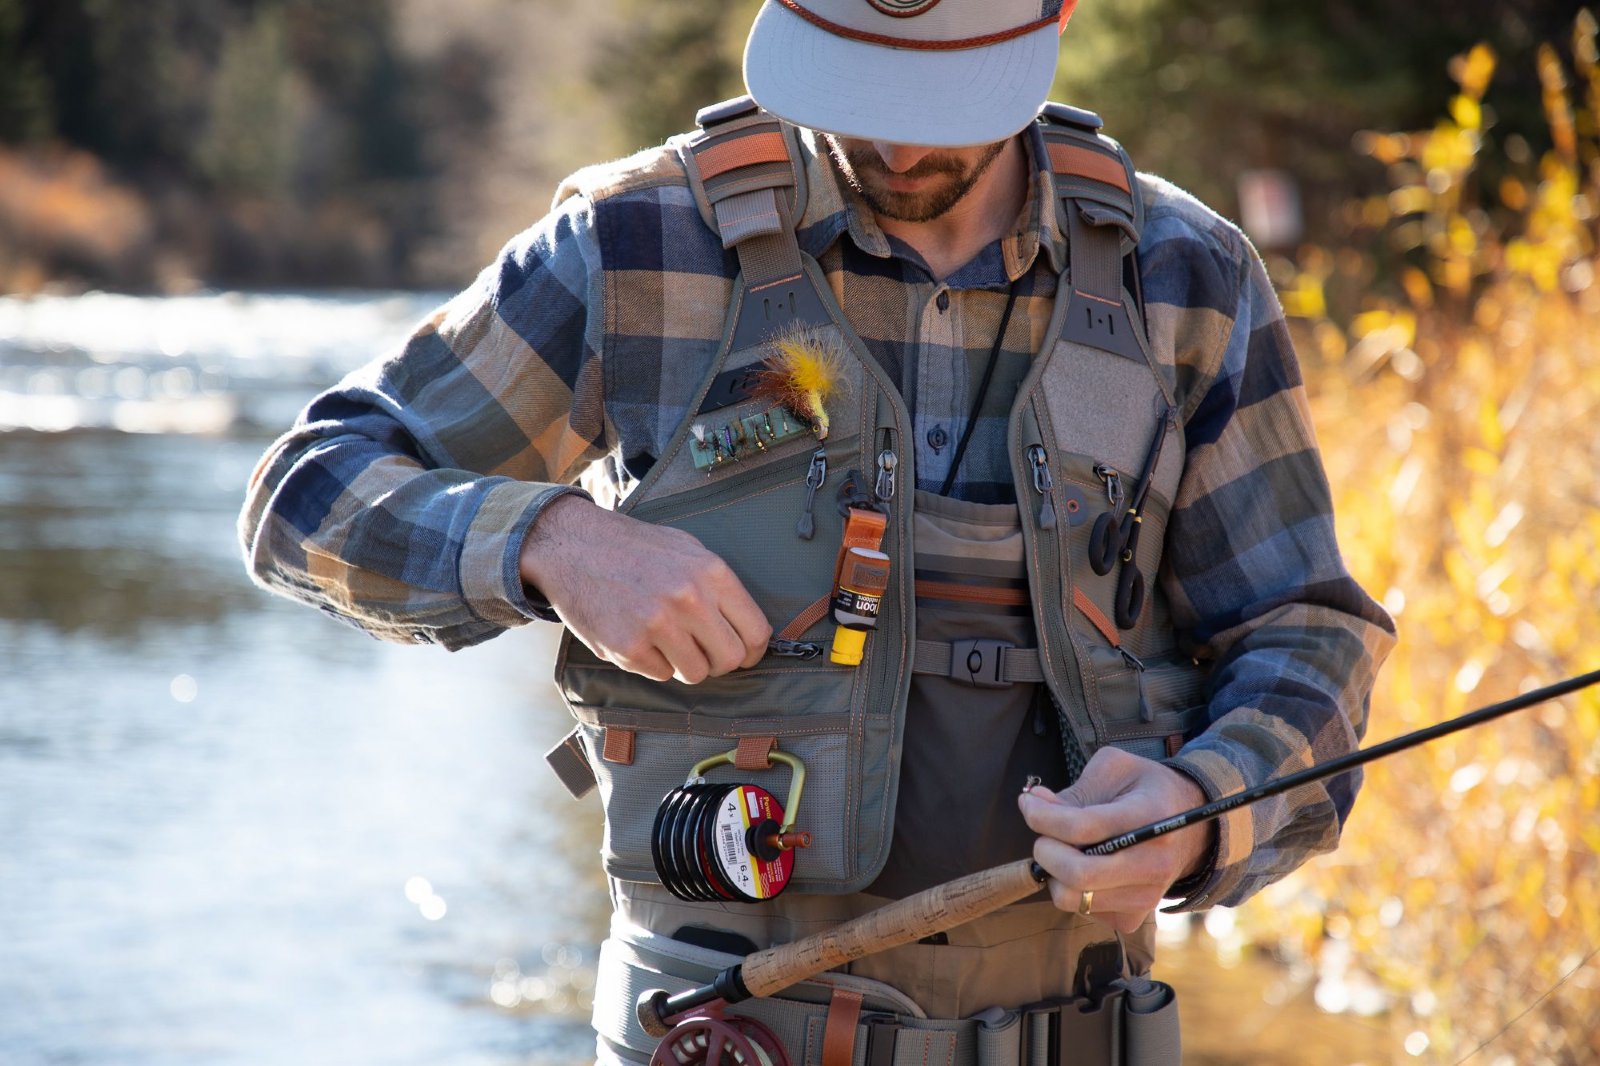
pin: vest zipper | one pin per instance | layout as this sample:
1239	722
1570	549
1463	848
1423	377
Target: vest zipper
1042	483
887	462
1146	714
806	528
793	649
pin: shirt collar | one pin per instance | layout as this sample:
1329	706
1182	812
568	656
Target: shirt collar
834	209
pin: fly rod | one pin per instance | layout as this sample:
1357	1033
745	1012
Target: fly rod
1338	765
957	902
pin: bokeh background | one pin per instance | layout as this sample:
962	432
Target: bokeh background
232	831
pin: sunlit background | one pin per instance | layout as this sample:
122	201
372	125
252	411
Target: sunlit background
233	831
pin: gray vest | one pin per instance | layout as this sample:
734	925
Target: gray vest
1081	429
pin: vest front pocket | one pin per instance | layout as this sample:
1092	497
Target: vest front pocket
639	756
1148	706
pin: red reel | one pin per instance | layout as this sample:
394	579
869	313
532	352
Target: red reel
715	1039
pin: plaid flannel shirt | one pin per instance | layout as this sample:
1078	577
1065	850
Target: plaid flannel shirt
400	500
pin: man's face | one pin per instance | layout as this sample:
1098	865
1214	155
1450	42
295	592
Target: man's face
909	183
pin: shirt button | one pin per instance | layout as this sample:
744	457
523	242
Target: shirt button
943	300
937	439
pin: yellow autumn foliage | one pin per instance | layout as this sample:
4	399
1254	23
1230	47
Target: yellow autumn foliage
1460	420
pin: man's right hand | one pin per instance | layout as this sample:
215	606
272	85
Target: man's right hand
651	599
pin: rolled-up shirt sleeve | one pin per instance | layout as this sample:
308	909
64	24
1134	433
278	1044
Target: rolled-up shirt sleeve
400	499
1257	583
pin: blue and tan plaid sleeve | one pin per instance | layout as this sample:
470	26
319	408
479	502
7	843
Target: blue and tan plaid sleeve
1254	572
400	499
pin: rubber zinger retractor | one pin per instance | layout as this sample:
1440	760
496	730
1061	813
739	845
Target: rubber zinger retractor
727	842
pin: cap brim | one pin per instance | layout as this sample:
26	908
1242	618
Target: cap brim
947	99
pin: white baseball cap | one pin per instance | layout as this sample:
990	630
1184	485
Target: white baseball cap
944	73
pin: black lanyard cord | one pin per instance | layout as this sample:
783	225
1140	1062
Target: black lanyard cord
983	392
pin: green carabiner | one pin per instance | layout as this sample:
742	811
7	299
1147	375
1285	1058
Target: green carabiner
797	771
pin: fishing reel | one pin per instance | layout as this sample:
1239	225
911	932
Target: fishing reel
715	1039
727	842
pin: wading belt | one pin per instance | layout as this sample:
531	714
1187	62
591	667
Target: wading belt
1132	1022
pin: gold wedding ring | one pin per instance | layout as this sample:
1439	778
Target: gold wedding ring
1085	901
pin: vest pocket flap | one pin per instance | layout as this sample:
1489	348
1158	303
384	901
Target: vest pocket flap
1158	697
665	747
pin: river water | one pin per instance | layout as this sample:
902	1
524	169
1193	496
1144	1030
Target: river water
235	831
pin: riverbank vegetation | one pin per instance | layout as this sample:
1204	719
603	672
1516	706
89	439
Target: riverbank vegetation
1451	350
289	143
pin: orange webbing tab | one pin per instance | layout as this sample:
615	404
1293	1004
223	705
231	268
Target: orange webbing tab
1088	163
806	619
749	149
839	1034
618	746
753	753
1096	616
862	529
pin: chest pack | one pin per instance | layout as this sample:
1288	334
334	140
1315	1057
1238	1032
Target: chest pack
1096	452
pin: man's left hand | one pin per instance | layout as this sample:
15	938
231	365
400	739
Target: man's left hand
1116	792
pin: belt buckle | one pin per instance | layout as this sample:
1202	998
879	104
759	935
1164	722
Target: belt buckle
978	662
1083	1029
883	1033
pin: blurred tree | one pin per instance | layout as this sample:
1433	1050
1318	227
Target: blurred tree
673	58
1199	91
247	144
24	90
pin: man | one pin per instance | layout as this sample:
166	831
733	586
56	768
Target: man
1019	339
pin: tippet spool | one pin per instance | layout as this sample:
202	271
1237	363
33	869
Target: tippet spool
727	842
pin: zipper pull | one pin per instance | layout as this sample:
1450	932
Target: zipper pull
1146	714
884	489
1042	483
1107	473
815	476
793	649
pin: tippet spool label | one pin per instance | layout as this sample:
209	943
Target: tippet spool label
743	807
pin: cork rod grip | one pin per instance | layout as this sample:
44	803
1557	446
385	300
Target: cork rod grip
931	911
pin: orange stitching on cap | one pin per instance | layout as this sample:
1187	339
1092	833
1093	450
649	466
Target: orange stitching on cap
1088	163
746	151
906	42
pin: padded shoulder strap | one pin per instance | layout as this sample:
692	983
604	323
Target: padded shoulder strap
1102	214
748	177
1092	169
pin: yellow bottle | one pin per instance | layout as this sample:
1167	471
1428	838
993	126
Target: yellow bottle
863	579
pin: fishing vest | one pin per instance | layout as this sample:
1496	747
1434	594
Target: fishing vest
760	489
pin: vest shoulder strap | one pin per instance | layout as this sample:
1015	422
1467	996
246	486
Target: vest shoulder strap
1092	169
1102	213
747	174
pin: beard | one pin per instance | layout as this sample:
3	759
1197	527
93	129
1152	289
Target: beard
951	179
